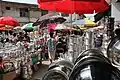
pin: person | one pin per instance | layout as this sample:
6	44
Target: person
14	40
20	36
1	42
51	44
7	43
59	47
98	41
27	37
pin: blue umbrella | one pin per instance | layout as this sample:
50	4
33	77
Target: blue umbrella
84	22
79	22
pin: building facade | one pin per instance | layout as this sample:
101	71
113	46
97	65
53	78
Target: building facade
24	13
115	10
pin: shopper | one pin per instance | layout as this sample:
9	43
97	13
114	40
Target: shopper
14	40
59	47
98	41
51	43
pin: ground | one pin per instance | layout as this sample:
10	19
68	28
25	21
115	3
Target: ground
43	68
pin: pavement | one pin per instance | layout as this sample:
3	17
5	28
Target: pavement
41	72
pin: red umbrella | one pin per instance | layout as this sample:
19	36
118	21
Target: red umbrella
51	27
2	25
9	21
71	6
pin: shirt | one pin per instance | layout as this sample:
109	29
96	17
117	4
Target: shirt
51	43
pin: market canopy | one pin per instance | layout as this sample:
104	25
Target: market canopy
74	6
9	21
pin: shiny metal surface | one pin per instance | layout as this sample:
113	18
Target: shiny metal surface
113	51
92	65
95	72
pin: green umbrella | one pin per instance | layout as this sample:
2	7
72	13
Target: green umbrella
29	27
35	28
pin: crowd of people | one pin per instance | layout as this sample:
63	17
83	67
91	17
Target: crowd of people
11	38
50	46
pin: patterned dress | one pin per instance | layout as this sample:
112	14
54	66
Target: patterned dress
51	43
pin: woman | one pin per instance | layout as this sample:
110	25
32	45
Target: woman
51	44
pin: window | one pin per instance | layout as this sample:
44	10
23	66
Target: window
24	12
7	8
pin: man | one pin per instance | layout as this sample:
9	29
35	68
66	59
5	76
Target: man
51	43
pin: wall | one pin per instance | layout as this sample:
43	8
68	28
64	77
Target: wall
115	10
34	15
0	11
14	12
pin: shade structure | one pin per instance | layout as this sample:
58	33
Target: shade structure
2	25
85	22
71	6
82	27
4	29
48	20
17	28
98	28
9	21
61	27
29	27
51	27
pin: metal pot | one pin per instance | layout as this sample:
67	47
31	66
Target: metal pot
92	65
59	71
113	51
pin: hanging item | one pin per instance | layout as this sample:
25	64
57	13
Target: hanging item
10	21
71	6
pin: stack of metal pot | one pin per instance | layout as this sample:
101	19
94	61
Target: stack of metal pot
93	65
59	71
113	49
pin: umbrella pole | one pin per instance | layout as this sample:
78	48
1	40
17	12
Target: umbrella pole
71	42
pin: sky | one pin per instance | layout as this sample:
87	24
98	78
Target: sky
24	1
